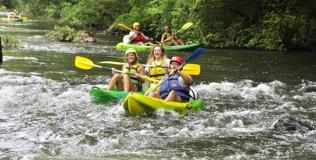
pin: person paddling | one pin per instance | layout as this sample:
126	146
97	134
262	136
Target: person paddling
176	85
130	79
169	38
156	63
137	37
14	15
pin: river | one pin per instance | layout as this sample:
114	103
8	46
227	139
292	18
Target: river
46	111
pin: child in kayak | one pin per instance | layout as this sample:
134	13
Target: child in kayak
169	38
129	79
157	63
175	86
136	36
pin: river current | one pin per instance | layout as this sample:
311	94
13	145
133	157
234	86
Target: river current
46	111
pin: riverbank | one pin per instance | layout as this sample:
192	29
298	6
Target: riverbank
220	24
46	111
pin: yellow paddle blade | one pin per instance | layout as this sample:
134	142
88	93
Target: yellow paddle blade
192	69
25	18
124	26
112	62
83	63
185	26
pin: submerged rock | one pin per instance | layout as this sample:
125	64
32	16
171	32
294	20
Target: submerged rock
289	124
310	88
67	34
86	37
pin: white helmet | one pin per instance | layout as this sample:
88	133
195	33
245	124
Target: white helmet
131	50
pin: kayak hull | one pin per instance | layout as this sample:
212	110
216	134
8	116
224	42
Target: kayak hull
103	95
137	104
143	48
15	19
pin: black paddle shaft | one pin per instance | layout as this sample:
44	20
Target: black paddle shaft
1	56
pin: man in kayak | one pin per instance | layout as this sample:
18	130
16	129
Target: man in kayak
169	38
175	86
130	79
137	37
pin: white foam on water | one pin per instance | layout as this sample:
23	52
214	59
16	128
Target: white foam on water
41	44
56	119
244	89
20	30
8	58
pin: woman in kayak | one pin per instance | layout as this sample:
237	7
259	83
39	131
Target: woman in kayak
175	85
129	79
137	37
157	63
169	38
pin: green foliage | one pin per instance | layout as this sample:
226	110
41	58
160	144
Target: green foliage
5	4
8	41
68	34
282	32
92	13
60	34
263	24
2	8
154	15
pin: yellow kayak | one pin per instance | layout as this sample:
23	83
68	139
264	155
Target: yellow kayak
136	104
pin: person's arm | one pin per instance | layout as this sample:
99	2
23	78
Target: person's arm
186	78
123	68
131	35
147	69
146	37
174	36
163	37
141	72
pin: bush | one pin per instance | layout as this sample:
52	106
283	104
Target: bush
9	41
62	34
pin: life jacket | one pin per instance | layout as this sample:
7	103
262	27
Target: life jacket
138	37
173	83
131	70
168	35
157	72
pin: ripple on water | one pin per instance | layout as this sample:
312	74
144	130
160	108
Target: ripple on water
40	117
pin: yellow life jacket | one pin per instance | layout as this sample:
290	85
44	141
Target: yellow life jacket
130	70
156	70
168	39
168	36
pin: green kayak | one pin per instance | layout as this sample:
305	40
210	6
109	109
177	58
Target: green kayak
137	104
14	19
124	46
103	95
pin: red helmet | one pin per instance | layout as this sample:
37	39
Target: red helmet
180	60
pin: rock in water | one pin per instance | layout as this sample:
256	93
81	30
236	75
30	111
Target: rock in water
289	124
310	88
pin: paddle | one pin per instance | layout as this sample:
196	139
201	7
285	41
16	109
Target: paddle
184	27
86	64
1	56
191	69
25	18
197	53
124	26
